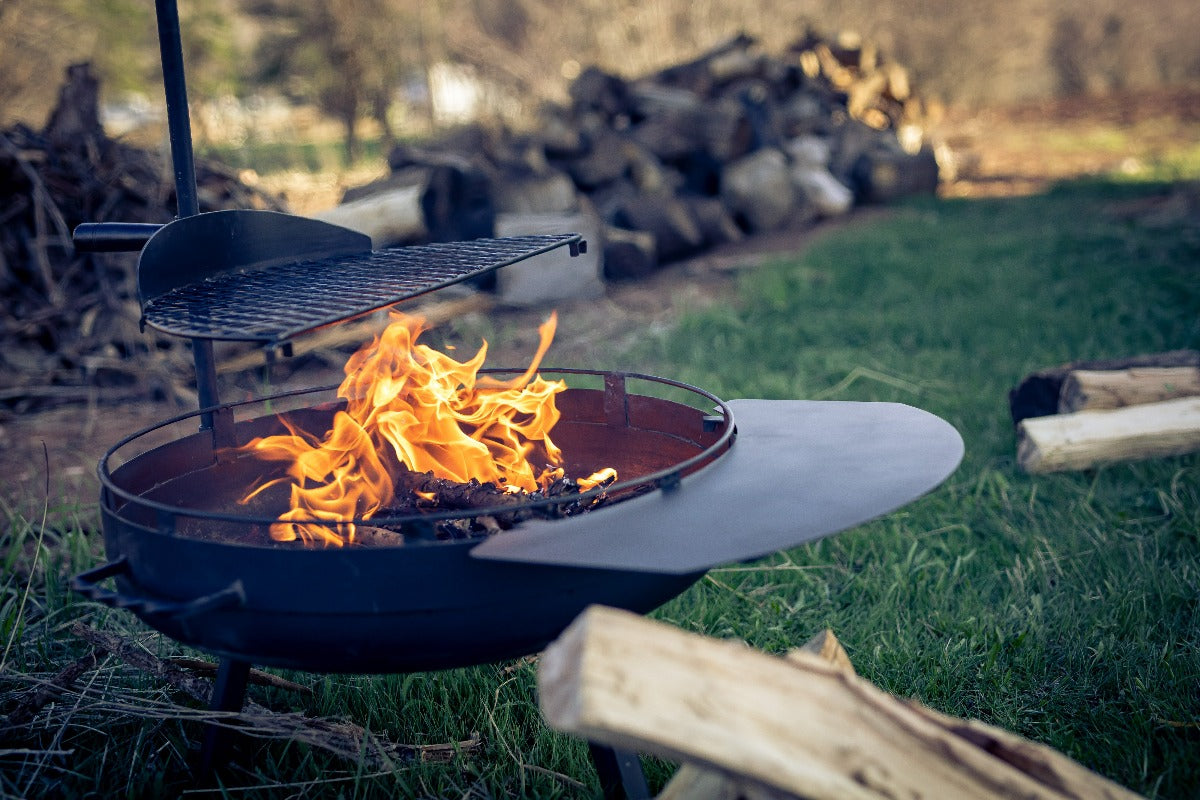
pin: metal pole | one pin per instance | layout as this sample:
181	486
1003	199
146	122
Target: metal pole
179	127
178	123
229	694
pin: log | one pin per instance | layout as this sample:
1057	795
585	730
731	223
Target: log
1086	439
886	175
628	254
758	190
1086	389
1038	393
600	91
736	57
798	726
714	221
825	193
447	201
691	782
667	218
607	160
549	193
554	276
391	217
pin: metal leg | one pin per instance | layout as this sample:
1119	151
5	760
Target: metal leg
229	694
621	776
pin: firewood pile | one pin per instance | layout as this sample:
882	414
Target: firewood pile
1087	413
70	331
733	143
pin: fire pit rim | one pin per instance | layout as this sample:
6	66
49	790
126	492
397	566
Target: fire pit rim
660	480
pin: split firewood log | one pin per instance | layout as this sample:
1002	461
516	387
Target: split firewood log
600	91
885	175
759	190
1093	389
607	159
550	192
446	200
628	254
713	219
622	680
1038	394
667	218
1086	439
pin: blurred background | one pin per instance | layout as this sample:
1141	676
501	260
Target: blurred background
347	78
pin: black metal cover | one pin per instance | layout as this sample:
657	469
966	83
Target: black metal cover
279	301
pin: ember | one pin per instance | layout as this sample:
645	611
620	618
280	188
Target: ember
419	430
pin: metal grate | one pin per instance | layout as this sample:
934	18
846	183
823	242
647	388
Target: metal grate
277	303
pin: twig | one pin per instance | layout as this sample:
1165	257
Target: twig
257	676
43	202
342	738
129	652
62	681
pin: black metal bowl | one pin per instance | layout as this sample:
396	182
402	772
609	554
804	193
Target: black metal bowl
177	543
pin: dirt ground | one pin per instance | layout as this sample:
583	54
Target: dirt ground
49	459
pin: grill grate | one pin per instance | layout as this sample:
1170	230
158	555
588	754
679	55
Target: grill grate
276	303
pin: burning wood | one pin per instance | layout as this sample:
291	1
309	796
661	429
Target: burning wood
423	432
499	510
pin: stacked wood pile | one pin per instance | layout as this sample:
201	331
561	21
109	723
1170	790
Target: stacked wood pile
750	725
1087	413
733	143
70	328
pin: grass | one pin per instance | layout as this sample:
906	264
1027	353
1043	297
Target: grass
1063	607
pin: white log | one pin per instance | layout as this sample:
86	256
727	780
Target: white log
759	189
691	782
829	196
1086	439
798	726
556	275
389	217
1097	389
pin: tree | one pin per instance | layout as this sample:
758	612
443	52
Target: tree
347	57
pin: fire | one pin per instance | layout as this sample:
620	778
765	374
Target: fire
409	406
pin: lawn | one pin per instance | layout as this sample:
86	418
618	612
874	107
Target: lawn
1063	607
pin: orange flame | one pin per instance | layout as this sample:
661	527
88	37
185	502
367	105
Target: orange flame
409	405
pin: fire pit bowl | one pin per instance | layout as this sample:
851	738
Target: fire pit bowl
194	563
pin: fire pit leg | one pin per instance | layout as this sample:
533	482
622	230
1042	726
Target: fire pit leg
229	694
621	776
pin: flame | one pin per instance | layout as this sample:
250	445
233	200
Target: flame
409	406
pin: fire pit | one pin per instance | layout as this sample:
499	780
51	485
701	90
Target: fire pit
417	603
195	551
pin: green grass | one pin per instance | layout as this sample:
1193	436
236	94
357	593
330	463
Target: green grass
1063	607
267	157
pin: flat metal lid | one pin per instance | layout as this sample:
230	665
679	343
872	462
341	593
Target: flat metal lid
280	301
799	470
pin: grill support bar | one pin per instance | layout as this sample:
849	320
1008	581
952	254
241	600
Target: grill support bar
229	694
178	124
179	127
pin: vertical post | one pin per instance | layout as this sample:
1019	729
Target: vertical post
620	773
179	126
229	694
